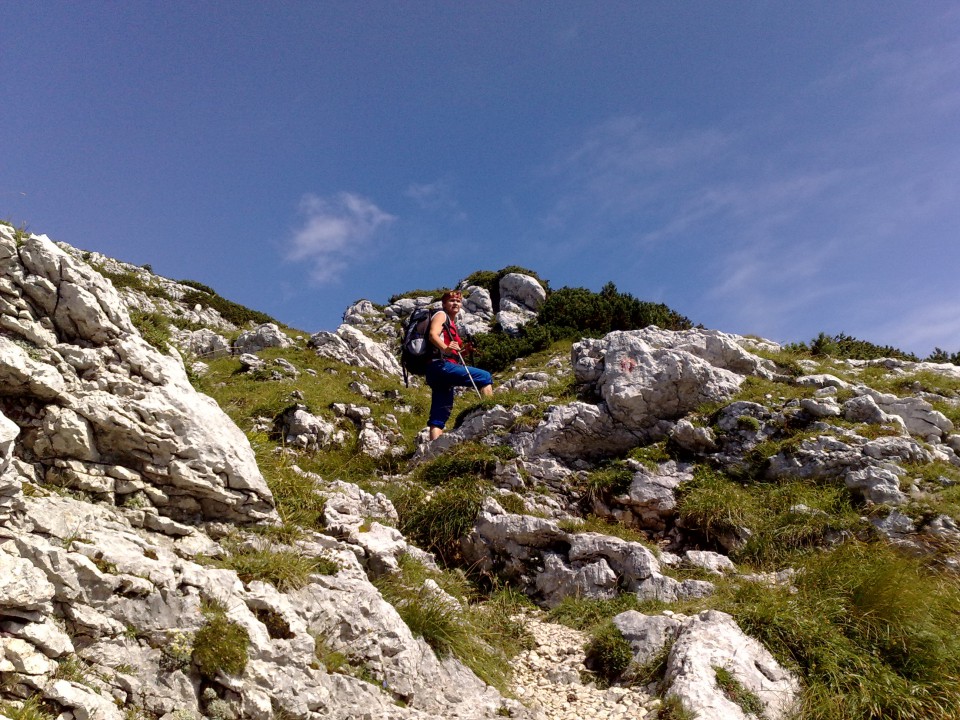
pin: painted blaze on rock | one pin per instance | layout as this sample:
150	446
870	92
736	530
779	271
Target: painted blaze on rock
648	375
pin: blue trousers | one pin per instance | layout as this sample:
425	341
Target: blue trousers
443	377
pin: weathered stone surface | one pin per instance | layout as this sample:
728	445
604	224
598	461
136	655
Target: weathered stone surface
647	376
83	702
351	347
203	343
693	438
579	430
647	634
713	639
22	585
264	336
300	428
105	395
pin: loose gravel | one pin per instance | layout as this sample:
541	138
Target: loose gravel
551	679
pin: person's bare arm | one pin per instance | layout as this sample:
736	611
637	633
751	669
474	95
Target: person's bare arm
436	334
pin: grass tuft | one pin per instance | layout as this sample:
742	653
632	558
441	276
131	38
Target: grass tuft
483	637
871	631
220	645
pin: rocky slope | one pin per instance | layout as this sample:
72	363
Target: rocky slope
125	492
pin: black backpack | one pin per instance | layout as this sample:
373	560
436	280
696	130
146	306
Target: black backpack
416	350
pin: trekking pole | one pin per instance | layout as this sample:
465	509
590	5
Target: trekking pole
476	390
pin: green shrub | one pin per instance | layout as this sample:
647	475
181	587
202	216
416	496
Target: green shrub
608	654
232	312
573	313
496	351
581	311
850	348
220	644
198	286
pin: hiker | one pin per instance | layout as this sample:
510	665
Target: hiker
448	370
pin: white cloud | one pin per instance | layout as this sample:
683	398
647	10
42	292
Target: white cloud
436	197
334	231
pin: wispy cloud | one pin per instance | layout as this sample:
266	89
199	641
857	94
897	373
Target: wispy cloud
437	197
793	218
334	231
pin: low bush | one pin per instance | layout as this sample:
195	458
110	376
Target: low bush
608	654
198	286
220	645
848	347
573	313
579	311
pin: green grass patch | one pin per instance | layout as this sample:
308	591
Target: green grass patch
153	327
871	632
436	521
594	524
482	637
716	505
467	460
736	693
582	613
608	654
33	708
610	479
283	568
220	645
651	456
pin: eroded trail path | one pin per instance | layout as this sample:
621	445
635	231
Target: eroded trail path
547	678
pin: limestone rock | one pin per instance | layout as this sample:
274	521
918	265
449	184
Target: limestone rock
203	343
646	376
264	336
710	640
351	347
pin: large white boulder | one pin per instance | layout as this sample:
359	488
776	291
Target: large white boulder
650	375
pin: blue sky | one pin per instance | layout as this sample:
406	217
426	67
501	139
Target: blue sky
767	168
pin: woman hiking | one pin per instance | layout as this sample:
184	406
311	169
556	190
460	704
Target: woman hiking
448	370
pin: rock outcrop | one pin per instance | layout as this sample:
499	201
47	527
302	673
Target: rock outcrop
132	508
